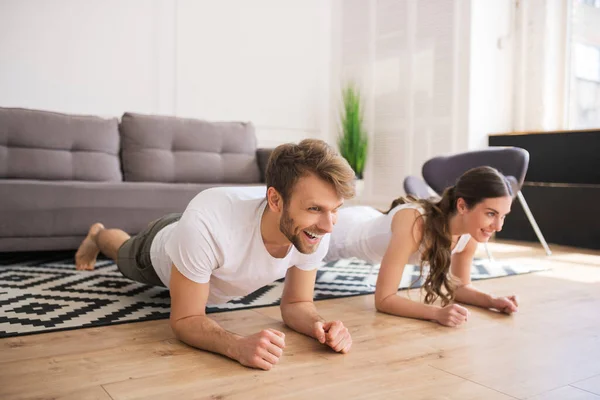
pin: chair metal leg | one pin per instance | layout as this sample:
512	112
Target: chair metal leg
489	253
534	224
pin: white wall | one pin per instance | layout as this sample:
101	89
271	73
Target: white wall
437	76
411	59
79	56
541	65
491	68
265	61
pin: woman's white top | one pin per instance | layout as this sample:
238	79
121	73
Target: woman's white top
364	233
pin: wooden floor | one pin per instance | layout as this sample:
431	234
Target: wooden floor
550	349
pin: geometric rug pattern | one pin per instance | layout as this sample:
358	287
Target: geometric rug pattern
42	292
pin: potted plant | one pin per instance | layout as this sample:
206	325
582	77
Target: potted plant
353	139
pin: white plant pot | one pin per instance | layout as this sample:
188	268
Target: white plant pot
359	187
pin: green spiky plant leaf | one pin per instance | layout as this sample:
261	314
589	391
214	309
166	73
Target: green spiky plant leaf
353	139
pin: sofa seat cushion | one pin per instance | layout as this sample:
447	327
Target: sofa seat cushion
51	146
66	208
170	149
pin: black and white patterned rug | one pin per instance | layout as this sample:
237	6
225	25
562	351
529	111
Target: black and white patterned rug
43	292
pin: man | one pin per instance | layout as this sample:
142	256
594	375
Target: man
230	242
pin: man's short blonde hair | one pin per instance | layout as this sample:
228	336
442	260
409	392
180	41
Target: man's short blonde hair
289	162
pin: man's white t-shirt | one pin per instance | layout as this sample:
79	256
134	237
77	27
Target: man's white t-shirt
218	240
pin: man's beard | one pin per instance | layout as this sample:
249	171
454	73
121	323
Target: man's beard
292	233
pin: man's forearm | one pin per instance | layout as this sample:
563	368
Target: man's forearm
204	333
301	316
470	295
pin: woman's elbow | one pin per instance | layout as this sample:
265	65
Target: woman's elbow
381	302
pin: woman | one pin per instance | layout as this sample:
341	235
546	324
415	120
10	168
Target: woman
442	234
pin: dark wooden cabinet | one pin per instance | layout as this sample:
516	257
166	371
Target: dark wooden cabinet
562	187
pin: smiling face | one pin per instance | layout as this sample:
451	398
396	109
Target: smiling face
310	213
485	218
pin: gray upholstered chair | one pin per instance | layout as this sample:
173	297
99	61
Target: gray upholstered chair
442	172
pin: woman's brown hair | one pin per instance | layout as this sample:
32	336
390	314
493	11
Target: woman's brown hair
473	186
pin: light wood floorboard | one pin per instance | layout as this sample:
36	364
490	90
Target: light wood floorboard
550	349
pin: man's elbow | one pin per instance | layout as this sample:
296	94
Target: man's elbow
289	308
180	326
285	309
176	327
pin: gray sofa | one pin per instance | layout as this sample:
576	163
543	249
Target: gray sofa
60	173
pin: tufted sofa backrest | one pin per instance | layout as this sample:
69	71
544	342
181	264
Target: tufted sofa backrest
44	145
173	149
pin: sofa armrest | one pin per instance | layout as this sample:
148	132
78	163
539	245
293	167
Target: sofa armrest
262	157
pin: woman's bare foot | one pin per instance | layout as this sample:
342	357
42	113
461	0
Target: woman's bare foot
85	258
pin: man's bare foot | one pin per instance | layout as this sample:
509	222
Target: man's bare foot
85	258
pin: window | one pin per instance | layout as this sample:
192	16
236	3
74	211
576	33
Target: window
584	96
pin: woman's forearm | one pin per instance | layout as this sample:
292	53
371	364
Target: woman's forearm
396	305
471	295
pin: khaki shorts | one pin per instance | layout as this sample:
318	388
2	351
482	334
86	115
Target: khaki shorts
133	258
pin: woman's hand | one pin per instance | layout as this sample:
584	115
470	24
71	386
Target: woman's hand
452	315
506	304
